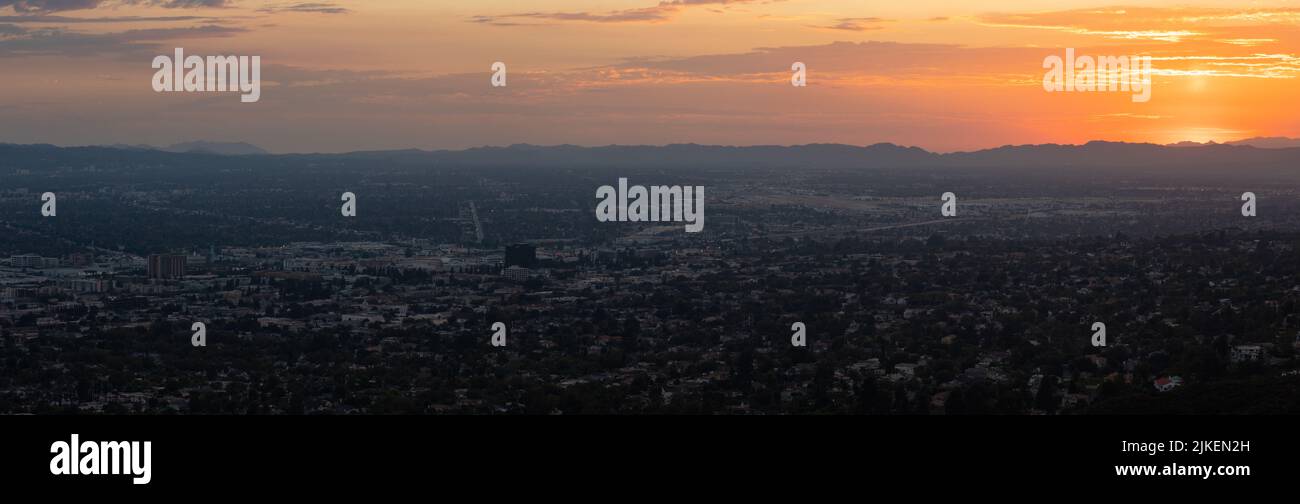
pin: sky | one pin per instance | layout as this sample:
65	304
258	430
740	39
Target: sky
351	75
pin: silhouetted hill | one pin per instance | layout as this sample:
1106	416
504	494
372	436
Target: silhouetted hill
1269	142
222	148
1092	154
1258	142
814	155
1096	155
197	147
1120	154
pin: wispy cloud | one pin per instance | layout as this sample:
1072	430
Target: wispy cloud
1174	24
1156	35
316	7
126	44
46	6
56	19
661	12
1127	115
856	24
1253	66
649	14
1284	16
184	4
1248	42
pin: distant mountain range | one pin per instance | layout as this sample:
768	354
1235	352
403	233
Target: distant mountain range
1269	142
201	147
1260	142
712	154
1264	152
1092	154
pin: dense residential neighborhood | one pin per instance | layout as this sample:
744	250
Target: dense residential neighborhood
992	311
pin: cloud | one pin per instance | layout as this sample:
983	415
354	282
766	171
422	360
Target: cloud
649	14
856	24
663	11
125	44
317	7
1249	42
49	5
1150	23
187	4
873	57
929	65
44	6
38	7
726	98
55	19
1129	115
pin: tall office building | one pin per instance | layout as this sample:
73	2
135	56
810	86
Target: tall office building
166	266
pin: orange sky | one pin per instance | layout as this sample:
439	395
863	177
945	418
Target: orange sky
383	74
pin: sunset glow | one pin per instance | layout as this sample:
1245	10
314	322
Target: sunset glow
357	75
